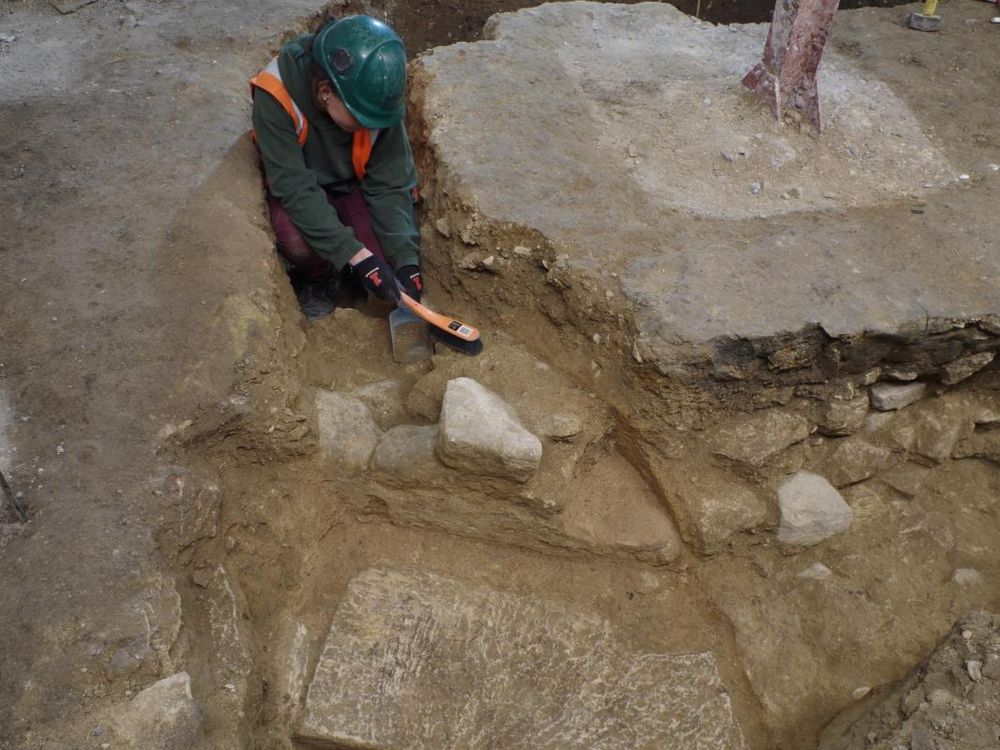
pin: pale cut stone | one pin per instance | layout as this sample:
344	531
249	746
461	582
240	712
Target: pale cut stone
811	510
419	661
480	434
408	451
890	397
347	433
165	716
754	439
965	367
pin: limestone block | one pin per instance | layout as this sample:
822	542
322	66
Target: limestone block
408	451
480	434
414	660
811	510
890	396
165	715
713	509
852	461
842	416
560	426
753	439
964	367
347	433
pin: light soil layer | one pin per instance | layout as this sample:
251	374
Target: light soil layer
621	137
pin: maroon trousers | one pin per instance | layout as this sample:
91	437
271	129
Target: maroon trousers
352	210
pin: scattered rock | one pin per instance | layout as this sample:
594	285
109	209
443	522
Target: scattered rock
975	670
712	509
165	715
728	155
967	577
960	369
121	664
902	374
890	397
347	433
859	693
907	479
842	417
408	451
443	227
522	251
811	510
480	434
865	502
853	461
816	572
753	439
936	433
69	6
560	426
633	152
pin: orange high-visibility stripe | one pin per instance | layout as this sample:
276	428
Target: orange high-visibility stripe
267	81
361	151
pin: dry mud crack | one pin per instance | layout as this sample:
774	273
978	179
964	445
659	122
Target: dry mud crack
758	470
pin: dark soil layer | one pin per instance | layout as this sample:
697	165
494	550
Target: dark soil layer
431	23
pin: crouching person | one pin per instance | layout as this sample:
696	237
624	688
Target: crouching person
328	121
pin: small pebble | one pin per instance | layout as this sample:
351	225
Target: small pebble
728	156
60	450
995	167
596	338
964	177
860	692
975	670
632	150
755	188
967	634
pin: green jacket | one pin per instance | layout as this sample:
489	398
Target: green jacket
300	176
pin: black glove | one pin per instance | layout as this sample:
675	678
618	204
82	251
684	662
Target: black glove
411	281
377	278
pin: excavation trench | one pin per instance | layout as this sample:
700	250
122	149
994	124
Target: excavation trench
654	508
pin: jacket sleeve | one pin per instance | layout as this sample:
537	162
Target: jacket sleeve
390	177
293	183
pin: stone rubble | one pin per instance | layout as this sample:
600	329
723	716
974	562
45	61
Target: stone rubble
853	460
838	417
479	433
811	510
347	433
752	440
958	370
164	716
891	397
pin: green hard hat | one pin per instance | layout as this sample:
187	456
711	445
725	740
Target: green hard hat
366	62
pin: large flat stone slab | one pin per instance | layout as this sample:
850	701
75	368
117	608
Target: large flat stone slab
723	224
420	661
